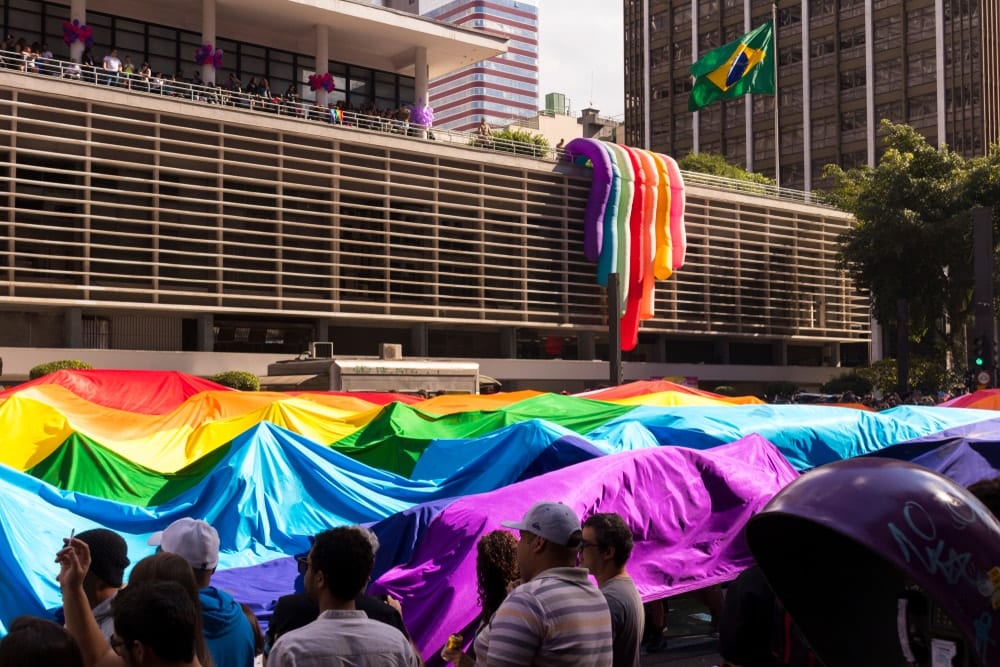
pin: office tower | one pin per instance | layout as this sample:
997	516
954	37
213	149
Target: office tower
501	88
932	64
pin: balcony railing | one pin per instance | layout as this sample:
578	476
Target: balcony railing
305	110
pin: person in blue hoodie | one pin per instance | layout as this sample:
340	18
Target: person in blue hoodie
228	634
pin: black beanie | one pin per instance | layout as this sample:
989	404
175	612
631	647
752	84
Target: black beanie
108	554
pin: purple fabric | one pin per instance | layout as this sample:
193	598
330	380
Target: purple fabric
687	509
600	189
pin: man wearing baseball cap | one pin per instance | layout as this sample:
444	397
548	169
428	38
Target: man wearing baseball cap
557	616
108	560
227	632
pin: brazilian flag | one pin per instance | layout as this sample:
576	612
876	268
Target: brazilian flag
739	68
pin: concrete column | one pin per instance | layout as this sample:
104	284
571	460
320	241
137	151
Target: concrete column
835	354
206	334
586	347
322	330
780	354
208	74
78	11
74	327
418	340
322	61
420	76
722	351
508	343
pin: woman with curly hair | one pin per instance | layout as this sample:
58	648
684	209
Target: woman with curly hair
496	575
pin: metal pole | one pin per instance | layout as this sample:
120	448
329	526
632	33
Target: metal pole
614	332
982	262
777	127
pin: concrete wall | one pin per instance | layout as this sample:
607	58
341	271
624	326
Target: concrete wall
542	375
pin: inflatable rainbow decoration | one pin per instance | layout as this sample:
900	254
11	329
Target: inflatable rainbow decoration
633	225
135	450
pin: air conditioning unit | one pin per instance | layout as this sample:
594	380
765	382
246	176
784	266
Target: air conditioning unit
391	351
321	350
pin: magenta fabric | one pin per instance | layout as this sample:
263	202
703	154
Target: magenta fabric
687	509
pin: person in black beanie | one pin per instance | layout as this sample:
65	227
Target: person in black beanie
109	558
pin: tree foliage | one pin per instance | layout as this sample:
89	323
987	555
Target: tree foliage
53	366
912	238
929	375
709	163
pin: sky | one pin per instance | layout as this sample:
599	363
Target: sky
581	54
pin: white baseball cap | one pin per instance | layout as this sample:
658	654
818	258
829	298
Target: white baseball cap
193	540
556	522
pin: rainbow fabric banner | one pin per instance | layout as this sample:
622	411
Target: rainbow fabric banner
133	451
633	225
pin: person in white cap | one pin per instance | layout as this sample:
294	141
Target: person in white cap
557	617
228	634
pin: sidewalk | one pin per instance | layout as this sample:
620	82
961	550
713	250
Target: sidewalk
691	640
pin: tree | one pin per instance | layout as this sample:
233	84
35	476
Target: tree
912	238
709	163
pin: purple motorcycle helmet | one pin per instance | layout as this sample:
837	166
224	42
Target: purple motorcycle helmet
856	549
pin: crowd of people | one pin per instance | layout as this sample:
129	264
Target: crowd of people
117	70
538	603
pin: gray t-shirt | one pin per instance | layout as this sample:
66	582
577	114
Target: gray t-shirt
627	619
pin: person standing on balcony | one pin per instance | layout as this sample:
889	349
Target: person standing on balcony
112	66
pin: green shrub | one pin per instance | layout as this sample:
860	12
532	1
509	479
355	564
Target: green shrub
53	366
511	140
848	382
242	380
782	389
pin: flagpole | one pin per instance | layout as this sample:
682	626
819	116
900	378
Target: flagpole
777	128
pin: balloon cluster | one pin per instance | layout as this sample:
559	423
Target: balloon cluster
76	31
422	114
208	55
324	81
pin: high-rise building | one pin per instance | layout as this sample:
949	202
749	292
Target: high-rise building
932	64
500	89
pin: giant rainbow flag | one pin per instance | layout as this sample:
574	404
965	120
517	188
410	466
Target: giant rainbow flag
633	225
134	450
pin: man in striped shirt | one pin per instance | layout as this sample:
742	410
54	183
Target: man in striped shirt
557	617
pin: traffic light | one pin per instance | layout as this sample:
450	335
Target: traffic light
979	351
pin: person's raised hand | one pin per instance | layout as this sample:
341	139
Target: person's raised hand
74	562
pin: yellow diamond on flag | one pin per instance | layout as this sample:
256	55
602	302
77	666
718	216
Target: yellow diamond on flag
741	63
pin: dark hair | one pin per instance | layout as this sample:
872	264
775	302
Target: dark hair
258	636
988	493
496	567
345	557
165	566
34	641
612	532
161	615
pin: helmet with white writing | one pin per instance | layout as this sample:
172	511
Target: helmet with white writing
883	562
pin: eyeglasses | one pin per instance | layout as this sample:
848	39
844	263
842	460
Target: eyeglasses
303	562
584	544
118	644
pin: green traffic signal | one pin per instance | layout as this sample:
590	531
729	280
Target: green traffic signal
979	361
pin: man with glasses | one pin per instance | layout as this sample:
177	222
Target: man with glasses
556	617
604	551
297	609
338	568
155	625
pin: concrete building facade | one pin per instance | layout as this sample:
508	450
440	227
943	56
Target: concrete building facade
153	230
